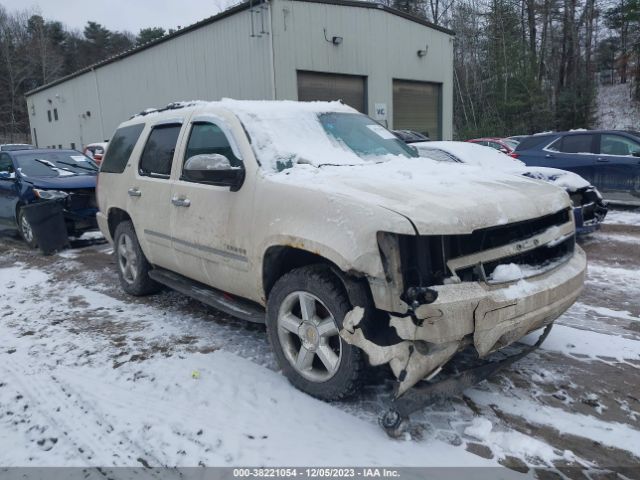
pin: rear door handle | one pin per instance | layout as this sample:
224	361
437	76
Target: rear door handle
181	201
602	160
134	192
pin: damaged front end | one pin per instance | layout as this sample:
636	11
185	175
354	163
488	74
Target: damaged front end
589	209
453	295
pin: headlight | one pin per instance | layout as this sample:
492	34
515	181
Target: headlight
49	194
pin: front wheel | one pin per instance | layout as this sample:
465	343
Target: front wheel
305	311
25	230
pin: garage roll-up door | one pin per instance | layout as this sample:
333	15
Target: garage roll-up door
330	86
416	106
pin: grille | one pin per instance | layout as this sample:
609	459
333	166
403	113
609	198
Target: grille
81	199
424	258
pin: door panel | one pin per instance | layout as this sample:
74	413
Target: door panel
208	224
618	170
417	106
351	89
574	153
149	195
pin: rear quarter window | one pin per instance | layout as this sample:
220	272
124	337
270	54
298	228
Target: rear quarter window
534	141
120	148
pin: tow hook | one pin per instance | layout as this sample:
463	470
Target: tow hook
395	420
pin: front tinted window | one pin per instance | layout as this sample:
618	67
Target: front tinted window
576	144
120	148
209	138
54	164
6	165
618	145
157	156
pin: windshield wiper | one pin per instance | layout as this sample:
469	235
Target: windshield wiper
52	165
78	166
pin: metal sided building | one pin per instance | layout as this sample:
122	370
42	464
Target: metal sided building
394	67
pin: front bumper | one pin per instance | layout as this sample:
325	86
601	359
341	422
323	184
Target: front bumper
488	316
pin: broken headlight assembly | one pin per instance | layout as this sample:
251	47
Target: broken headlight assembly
49	194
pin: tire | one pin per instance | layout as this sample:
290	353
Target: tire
25	231
133	267
304	352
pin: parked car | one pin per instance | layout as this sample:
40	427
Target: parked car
96	151
608	159
317	220
504	145
10	147
411	136
588	206
40	175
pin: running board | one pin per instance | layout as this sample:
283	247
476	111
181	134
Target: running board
240	308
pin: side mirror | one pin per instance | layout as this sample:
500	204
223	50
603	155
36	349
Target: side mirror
636	153
213	169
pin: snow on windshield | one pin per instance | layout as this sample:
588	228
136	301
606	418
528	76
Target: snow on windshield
473	154
286	133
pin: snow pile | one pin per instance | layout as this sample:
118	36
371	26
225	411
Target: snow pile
611	434
512	443
585	343
560	178
616	110
623	217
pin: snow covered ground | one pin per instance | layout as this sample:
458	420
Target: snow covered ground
90	376
615	108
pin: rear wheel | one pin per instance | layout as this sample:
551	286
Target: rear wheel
25	230
305	311
133	267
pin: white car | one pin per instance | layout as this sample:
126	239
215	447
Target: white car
316	220
588	206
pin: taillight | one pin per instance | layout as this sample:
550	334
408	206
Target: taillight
514	155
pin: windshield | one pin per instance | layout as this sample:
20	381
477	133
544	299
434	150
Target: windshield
363	136
55	164
285	134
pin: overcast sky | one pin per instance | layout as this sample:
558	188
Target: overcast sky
129	15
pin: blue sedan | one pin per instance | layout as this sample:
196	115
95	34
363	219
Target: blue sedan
608	159
29	176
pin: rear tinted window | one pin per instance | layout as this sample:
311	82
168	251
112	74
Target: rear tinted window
157	156
576	144
120	148
534	141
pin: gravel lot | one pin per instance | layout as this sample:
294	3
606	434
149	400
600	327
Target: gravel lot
90	376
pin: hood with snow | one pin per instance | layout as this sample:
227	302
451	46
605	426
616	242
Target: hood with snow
435	197
491	159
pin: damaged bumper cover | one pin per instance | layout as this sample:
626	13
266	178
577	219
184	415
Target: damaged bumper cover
488	316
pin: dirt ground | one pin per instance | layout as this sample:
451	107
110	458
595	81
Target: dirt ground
566	414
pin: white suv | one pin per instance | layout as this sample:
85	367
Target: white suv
314	219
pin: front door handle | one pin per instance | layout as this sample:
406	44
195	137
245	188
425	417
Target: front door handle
181	201
602	160
134	192
548	155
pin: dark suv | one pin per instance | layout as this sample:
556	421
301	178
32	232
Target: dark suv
608	159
